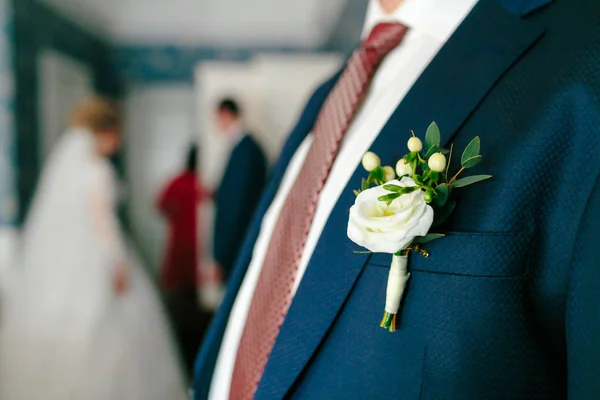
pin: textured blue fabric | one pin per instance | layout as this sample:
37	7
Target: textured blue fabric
236	200
583	304
507	306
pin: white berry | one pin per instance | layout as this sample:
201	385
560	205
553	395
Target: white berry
403	169
370	161
390	174
414	144
437	162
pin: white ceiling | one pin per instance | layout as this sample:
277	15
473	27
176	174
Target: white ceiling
229	23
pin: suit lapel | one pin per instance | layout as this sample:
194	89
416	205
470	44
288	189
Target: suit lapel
524	7
481	50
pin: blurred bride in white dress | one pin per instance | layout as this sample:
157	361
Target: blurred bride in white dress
80	320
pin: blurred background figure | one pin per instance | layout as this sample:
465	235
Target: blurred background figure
81	319
179	204
169	65
241	186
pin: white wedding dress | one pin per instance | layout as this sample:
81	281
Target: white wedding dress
64	333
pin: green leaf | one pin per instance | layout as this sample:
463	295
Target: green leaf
472	150
410	157
356	192
388	197
442	213
410	189
378	174
442	195
471	162
435	176
432	137
469	180
393	188
364	185
418	179
430	237
432	150
399	190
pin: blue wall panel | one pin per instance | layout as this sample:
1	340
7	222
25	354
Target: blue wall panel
177	63
7	137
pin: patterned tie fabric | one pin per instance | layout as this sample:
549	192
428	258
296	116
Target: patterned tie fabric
273	293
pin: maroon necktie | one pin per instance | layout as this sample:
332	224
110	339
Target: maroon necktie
273	293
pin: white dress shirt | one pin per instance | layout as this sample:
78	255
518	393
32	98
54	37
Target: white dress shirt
236	133
431	23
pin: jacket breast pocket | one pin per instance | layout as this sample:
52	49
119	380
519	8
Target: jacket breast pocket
470	254
468	301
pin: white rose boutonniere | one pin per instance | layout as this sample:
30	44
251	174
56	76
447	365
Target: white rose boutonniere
389	227
395	216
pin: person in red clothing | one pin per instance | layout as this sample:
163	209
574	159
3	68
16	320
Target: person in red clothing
178	203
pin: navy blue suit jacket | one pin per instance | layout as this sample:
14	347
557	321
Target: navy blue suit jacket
508	304
237	197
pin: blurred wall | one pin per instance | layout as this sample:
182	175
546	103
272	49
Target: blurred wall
8	198
172	63
37	28
7	136
346	34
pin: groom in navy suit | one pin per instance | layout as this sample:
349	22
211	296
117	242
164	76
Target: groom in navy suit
245	172
507	306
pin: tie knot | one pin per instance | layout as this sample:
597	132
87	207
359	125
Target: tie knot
385	36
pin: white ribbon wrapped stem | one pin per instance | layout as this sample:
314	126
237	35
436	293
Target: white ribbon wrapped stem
397	279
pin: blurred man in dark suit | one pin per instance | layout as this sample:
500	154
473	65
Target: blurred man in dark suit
240	188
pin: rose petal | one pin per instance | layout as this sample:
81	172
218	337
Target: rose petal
383	228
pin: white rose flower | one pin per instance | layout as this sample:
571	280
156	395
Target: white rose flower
388	229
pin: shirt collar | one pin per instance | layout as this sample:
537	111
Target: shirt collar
237	132
438	18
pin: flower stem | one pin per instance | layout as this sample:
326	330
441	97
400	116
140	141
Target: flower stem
414	167
455	176
449	160
388	322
